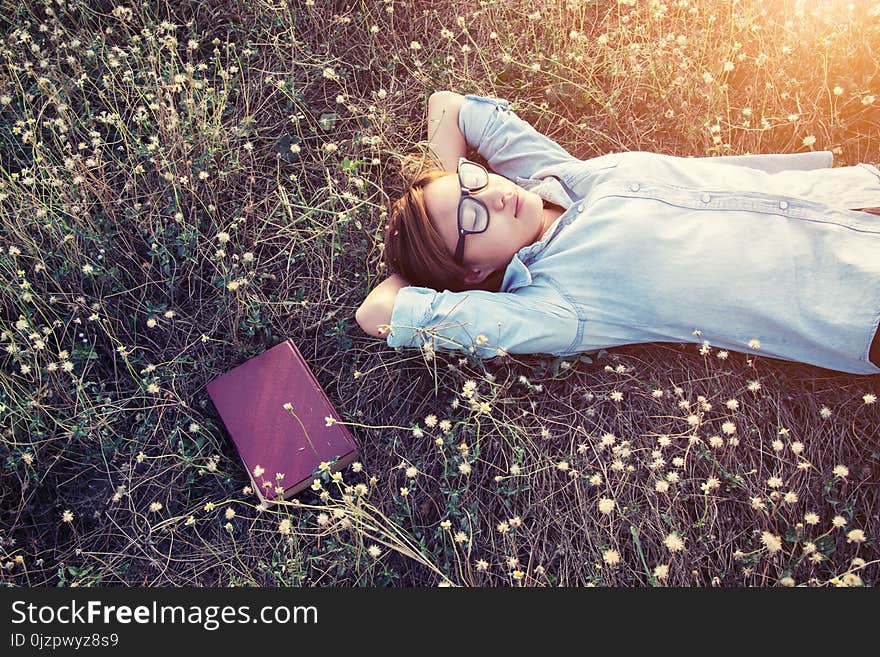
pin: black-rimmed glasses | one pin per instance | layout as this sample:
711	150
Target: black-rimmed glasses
473	215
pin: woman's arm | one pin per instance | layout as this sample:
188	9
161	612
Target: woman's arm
445	140
447	144
511	146
374	313
528	321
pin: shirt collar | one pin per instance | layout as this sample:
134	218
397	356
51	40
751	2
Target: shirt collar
516	275
551	188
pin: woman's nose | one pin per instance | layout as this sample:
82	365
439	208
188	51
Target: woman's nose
504	199
500	198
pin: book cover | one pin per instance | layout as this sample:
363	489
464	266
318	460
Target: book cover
271	439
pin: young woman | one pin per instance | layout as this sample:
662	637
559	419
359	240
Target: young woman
774	255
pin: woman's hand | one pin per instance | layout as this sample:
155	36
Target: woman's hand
374	314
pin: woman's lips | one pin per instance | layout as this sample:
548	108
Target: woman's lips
516	210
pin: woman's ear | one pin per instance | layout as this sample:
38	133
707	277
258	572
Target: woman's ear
476	275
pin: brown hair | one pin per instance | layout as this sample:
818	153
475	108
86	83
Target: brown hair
413	247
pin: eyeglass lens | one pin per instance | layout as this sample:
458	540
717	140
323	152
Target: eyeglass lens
474	217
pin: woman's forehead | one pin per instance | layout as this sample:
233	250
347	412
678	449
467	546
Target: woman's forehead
448	186
441	198
442	195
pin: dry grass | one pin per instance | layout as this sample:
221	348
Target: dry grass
157	230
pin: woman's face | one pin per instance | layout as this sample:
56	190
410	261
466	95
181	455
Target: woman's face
509	230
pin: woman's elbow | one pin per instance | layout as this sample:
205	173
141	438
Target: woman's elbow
444	95
368	323
360	316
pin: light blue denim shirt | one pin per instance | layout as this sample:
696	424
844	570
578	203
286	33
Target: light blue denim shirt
656	248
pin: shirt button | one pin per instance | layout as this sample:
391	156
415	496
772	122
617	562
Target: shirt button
783	205
634	187
705	198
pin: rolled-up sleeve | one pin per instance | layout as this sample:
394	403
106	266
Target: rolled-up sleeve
484	323
511	146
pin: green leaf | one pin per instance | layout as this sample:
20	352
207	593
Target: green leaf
635	535
328	121
282	146
508	74
826	545
566	94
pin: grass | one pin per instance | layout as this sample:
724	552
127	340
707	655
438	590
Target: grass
184	185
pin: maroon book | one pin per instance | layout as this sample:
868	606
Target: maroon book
272	439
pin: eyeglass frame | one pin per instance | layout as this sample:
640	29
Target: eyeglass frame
467	192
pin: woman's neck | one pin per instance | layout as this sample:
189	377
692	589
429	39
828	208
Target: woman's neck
551	213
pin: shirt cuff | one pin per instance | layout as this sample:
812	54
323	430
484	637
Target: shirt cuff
412	307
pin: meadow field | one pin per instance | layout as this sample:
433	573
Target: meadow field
184	184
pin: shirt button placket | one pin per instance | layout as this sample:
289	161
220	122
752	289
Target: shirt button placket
705	198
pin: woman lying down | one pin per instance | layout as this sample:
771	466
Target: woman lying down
777	255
